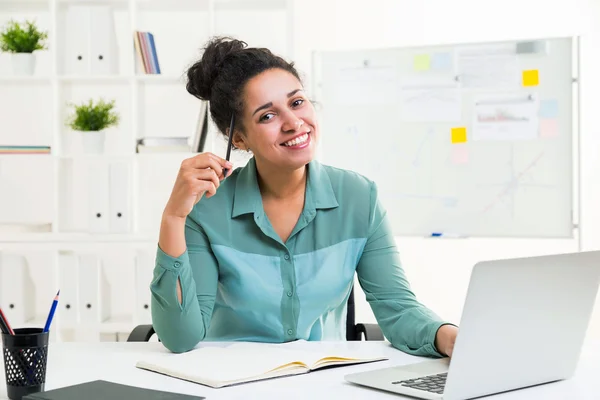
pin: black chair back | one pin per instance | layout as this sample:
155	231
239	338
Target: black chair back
351	318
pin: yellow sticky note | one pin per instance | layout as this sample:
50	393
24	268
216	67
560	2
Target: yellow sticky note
531	77
459	135
421	62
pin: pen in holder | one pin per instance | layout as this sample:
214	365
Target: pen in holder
25	359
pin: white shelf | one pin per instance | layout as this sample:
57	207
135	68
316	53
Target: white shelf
114	3
91	1
161	78
148	104
251	4
165	154
24	157
149	78
205	5
25	2
132	156
57	238
173	5
95	78
25	79
91	157
19	5
158	5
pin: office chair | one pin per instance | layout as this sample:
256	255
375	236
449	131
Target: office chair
354	331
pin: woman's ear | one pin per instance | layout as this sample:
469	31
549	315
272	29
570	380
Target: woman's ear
238	141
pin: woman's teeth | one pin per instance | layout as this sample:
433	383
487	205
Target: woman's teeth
298	140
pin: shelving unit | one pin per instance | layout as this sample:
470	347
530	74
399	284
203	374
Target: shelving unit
52	209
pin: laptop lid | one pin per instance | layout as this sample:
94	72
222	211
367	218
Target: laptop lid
523	323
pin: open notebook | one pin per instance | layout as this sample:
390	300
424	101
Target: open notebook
246	362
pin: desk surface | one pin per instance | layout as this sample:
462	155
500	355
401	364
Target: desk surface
72	363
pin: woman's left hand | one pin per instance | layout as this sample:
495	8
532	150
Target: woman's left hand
445	339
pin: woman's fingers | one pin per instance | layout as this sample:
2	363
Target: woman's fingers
206	160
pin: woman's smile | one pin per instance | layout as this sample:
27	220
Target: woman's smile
298	142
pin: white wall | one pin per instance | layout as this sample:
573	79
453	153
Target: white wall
439	270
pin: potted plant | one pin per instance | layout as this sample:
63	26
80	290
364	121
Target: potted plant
92	119
22	41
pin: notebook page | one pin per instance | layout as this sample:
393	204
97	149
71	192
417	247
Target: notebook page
309	356
335	353
280	354
222	364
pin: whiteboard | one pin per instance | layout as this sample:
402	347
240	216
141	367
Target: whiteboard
466	140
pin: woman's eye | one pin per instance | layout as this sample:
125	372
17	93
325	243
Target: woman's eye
298	102
265	117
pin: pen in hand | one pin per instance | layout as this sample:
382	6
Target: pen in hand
231	127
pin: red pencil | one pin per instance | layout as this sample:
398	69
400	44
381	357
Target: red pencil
5	322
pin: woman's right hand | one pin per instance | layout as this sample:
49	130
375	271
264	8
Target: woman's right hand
197	175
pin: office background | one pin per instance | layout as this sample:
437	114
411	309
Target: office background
49	204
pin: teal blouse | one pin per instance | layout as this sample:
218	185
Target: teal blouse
240	282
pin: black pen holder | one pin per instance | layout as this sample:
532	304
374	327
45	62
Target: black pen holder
25	359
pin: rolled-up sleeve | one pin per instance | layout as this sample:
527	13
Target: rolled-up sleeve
404	321
181	326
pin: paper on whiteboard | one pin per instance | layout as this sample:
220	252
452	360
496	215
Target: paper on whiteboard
442	61
506	118
373	85
430	103
493	69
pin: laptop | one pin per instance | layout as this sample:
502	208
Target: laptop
523	323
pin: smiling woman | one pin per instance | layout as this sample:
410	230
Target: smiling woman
270	253
265	94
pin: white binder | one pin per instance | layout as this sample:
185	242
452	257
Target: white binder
90	39
144	267
77	48
103	44
120	195
19	199
98	197
16	290
93	296
68	277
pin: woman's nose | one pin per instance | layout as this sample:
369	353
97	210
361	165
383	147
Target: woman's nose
293	123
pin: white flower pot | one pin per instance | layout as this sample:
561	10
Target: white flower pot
23	63
93	141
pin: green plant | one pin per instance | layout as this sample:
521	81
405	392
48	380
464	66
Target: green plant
93	117
18	39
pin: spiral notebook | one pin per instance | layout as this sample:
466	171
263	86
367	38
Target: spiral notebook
248	362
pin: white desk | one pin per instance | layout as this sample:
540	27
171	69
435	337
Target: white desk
72	363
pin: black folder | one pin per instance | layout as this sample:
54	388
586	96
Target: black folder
102	390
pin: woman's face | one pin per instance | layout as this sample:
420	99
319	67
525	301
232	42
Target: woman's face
280	122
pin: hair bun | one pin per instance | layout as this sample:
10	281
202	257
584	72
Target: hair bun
202	75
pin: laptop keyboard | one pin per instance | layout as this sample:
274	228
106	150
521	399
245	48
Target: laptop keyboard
430	383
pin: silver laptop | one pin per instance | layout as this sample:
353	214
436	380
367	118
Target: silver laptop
523	323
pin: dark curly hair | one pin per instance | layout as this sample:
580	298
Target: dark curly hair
222	72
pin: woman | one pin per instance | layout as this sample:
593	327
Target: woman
268	252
